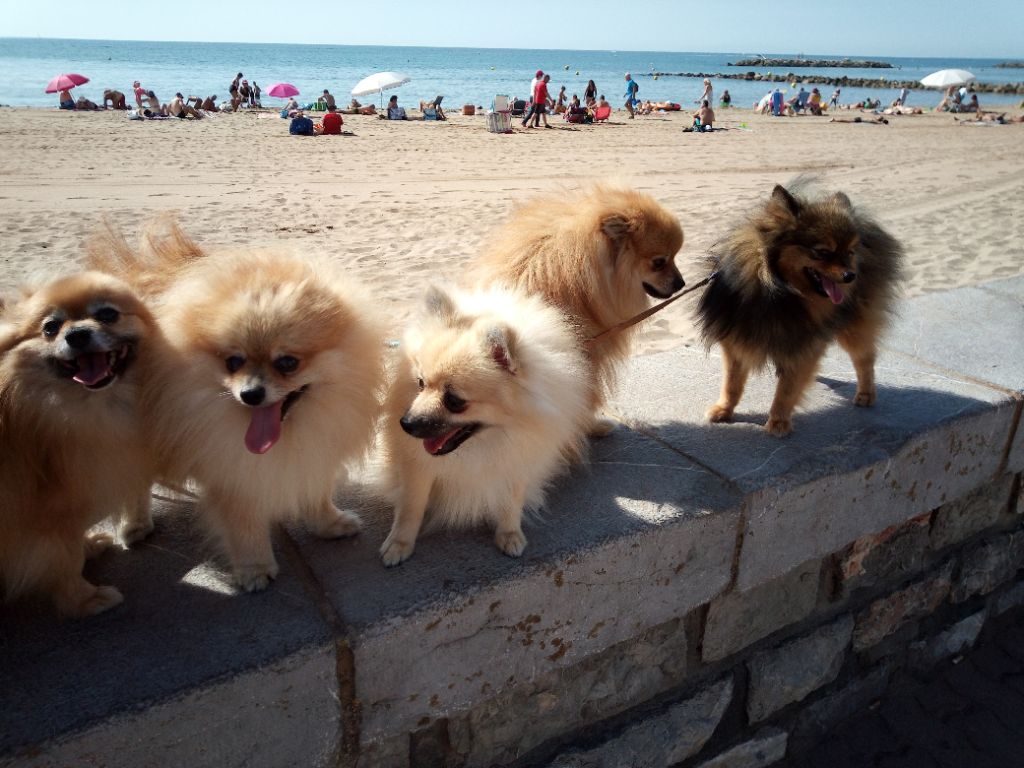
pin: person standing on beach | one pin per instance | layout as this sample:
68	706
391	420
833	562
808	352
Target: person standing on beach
902	98
139	92
590	95
708	94
236	100
834	101
254	95
631	90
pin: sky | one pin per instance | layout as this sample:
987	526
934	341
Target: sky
932	28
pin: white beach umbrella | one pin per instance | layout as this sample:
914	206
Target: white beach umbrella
379	83
947	77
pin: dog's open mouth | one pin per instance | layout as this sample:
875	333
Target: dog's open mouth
449	441
96	370
265	422
656	292
825	287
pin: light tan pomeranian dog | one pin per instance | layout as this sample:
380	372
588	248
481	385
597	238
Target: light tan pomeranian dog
489	403
72	360
599	254
274	383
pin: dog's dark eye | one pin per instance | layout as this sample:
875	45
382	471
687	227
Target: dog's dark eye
658	264
454	403
234	362
107	315
52	327
286	364
420	383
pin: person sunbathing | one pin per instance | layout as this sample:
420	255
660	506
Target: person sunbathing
66	100
703	119
86	104
394	112
177	107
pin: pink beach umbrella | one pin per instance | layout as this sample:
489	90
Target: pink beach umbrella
282	90
65	82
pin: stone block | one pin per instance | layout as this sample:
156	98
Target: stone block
958	520
766	748
815	720
893	554
955	639
282	714
186	646
659	740
637	539
933	328
737	619
988	565
845	472
514	722
385	753
1012	598
885	616
793	670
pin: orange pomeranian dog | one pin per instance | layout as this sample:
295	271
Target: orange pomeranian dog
72	360
800	273
274	381
597	254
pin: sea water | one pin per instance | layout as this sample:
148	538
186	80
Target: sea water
461	75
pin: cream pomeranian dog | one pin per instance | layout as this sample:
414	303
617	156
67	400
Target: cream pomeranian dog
73	356
274	382
599	254
489	403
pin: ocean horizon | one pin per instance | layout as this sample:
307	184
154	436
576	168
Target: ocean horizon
461	75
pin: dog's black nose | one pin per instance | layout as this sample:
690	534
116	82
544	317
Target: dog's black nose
253	396
849	277
678	283
78	338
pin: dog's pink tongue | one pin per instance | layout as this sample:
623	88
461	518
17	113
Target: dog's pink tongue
434	444
92	368
264	428
832	290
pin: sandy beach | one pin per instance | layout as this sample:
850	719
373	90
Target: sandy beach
405	204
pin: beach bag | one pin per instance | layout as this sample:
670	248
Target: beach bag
135	114
499	122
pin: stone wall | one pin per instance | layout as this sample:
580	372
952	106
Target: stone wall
699	594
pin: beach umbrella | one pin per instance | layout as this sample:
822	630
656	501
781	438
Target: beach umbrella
282	90
947	77
65	82
379	83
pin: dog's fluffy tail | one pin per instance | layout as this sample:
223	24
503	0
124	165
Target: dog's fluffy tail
164	250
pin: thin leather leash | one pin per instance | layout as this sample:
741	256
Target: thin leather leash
650	311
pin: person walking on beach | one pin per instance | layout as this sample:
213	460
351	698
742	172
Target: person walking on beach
533	87
540	102
631	90
254	94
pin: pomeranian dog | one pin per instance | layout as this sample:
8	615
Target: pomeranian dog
599	254
273	382
72	453
489	403
799	273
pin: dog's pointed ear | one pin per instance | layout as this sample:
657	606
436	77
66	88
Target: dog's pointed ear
618	226
501	343
439	304
782	197
842	201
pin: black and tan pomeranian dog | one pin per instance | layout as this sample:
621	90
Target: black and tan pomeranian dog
801	272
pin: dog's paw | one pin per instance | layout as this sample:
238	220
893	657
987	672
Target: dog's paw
102	599
134	531
96	544
779	427
394	552
343	524
601	428
512	543
865	398
255	577
718	413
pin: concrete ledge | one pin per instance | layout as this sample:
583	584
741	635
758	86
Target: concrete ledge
675	521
